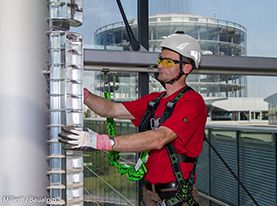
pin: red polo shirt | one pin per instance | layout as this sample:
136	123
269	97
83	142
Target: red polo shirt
187	121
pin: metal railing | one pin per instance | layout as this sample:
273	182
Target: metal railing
237	167
103	185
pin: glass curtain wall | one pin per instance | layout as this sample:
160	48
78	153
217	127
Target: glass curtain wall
222	27
257	18
235	28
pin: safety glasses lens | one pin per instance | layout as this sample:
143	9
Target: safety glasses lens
166	63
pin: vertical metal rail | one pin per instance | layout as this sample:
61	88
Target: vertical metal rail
210	167
143	38
274	135
65	82
74	116
238	165
143	23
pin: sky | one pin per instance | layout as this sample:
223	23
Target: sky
259	18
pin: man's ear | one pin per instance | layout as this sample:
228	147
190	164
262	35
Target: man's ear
187	68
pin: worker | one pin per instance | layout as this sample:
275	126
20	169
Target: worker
171	122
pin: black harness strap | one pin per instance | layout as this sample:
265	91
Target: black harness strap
184	186
171	104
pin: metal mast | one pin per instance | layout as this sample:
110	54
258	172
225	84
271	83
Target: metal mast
66	100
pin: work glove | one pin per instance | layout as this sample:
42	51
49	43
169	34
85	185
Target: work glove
162	203
84	140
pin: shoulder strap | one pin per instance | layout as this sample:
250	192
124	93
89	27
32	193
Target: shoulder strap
152	106
171	104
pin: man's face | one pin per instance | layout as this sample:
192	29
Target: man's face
168	73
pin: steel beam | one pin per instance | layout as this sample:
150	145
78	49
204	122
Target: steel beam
140	62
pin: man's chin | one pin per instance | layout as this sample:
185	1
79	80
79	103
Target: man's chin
163	79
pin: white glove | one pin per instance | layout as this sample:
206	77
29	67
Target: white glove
76	139
161	203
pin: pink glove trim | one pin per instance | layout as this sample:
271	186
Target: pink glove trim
86	94
103	142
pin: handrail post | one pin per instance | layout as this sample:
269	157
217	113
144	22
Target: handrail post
274	135
210	163
238	165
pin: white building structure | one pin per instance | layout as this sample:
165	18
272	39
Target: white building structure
240	110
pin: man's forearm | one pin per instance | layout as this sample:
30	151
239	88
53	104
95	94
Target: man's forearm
98	104
142	141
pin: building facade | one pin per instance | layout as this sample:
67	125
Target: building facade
216	37
272	109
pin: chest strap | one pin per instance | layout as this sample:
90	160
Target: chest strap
184	158
152	106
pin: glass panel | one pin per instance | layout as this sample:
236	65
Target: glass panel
225	143
55	148
55	163
103	183
257	155
55	179
224	28
103	26
56	193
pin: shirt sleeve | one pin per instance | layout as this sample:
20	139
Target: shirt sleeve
188	123
138	107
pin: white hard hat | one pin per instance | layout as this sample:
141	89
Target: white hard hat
184	45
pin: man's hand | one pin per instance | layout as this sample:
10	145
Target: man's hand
77	139
86	94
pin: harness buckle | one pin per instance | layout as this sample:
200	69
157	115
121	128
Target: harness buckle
170	104
151	103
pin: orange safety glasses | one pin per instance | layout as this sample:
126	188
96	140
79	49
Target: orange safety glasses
168	63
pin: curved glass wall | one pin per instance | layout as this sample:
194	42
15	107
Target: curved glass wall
216	36
258	17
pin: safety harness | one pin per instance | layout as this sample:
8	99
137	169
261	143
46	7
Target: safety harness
184	186
137	172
